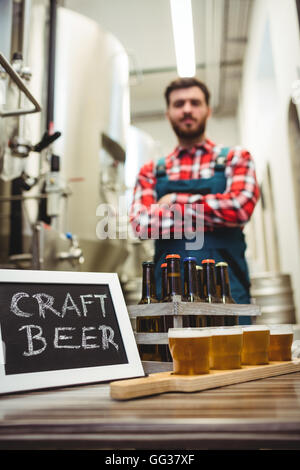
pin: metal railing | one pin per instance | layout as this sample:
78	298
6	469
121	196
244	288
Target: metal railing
19	82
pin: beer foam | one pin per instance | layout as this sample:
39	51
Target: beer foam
281	329
188	332
255	328
226	331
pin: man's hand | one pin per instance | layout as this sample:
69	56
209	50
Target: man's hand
166	199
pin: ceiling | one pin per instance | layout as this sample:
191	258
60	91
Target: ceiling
145	30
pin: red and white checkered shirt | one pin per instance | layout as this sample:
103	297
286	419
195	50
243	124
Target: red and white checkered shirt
233	208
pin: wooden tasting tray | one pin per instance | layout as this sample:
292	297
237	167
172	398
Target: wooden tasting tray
177	308
164	382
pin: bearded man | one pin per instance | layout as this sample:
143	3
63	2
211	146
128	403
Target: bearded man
197	174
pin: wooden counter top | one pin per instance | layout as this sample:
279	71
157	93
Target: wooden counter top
259	414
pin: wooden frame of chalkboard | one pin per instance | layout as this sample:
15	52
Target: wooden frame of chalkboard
63	328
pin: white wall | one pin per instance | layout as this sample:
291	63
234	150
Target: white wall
270	69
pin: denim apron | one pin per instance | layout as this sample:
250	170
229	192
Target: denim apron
222	244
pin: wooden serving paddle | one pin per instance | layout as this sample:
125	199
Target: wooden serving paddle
164	382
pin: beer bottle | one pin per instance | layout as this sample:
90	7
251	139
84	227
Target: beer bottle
209	281
150	324
174	277
224	292
200	281
148	289
174	286
164	282
223	284
190	281
210	291
191	293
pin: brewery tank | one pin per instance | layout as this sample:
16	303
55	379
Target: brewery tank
91	107
91	102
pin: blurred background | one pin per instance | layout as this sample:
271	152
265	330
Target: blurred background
82	109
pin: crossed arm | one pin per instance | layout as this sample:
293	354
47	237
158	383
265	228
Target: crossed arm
233	208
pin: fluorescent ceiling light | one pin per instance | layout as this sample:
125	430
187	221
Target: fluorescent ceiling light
182	20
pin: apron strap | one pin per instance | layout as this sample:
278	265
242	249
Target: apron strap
221	155
161	168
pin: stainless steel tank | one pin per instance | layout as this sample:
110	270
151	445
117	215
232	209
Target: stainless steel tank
92	113
91	110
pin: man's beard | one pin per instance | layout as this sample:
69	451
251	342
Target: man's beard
189	134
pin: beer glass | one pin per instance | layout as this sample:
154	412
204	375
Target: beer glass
190	350
256	340
281	339
226	348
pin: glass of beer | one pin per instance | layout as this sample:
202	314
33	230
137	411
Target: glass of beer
226	348
256	340
190	350
281	339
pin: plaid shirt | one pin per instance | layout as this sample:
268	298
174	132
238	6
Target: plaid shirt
232	208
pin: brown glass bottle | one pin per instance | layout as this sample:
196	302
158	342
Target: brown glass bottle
224	291
148	289
209	281
149	324
174	289
174	277
210	291
191	292
200	282
223	283
164	282
190	281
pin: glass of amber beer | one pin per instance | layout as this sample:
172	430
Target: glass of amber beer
190	350
256	340
281	339
226	348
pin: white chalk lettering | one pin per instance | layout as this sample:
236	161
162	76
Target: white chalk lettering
64	338
30	338
107	337
102	303
14	305
73	306
84	303
85	338
60	337
45	304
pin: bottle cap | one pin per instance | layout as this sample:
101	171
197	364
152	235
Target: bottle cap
148	263
164	265
208	261
190	258
222	263
199	267
172	256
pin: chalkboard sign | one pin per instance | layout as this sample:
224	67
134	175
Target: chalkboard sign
62	328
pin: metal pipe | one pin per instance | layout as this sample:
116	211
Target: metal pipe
51	65
22	87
